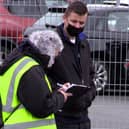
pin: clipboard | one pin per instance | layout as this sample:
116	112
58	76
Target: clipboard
76	89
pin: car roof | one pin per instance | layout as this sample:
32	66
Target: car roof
91	7
114	2
105	6
55	14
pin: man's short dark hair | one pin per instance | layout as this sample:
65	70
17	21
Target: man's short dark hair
77	7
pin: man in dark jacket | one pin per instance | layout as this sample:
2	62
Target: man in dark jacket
25	90
75	66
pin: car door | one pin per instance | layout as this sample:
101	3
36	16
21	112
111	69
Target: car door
117	48
95	33
108	41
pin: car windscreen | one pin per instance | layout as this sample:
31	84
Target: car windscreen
32	8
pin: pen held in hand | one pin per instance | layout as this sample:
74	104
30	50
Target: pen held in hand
59	84
80	85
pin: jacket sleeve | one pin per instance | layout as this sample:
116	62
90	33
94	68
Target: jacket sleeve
35	95
91	93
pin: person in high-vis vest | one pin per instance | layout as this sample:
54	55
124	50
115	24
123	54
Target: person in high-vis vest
28	101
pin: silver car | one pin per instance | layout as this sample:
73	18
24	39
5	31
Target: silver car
107	30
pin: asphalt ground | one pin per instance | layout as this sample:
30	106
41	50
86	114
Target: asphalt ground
110	112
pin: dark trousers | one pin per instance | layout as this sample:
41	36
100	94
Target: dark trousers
85	125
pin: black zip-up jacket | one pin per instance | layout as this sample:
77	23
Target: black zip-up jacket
33	91
74	65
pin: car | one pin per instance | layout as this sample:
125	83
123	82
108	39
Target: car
15	16
54	16
62	2
107	30
50	3
115	2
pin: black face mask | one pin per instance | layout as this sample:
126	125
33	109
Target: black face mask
73	31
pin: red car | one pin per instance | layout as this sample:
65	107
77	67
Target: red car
15	16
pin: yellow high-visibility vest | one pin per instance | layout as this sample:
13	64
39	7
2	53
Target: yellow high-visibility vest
15	116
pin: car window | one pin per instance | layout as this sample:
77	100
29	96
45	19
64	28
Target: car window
118	21
90	24
114	21
93	1
101	23
32	8
55	2
52	19
95	21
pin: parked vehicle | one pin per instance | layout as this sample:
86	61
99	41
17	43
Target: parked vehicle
108	34
107	30
50	3
119	2
15	16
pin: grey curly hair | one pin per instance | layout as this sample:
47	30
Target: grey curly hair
47	42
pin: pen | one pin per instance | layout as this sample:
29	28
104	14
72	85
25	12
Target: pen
58	84
74	85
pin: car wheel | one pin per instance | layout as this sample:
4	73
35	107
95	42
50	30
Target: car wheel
101	75
1	57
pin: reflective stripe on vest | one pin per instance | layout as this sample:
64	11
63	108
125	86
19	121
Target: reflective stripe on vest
14	114
41	124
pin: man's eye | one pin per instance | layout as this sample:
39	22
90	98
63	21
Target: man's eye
74	21
81	23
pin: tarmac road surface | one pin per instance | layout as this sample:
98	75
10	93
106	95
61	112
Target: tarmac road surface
110	112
